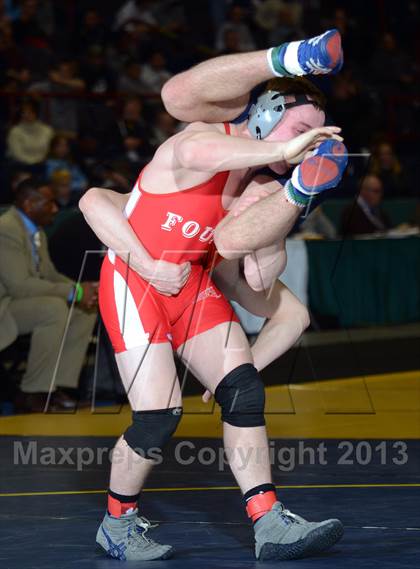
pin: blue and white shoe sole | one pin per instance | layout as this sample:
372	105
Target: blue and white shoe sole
322	171
322	54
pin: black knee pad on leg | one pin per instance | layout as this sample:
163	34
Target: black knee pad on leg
241	397
152	430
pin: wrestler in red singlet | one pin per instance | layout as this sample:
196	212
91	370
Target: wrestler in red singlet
175	227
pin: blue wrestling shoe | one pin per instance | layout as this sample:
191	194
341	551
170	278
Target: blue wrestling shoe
322	171
318	55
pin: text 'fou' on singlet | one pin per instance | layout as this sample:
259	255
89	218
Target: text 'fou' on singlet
178	226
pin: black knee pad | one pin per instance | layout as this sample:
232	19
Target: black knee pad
152	430
241	397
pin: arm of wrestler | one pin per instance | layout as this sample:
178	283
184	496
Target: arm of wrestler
205	148
216	90
287	319
104	211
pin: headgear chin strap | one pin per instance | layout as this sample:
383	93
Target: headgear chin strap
269	110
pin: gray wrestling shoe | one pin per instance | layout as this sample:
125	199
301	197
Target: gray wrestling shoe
124	538
279	534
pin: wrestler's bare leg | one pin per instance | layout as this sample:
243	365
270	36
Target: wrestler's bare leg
203	93
211	356
287	317
150	380
217	90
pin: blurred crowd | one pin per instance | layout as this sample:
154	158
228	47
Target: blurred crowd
80	82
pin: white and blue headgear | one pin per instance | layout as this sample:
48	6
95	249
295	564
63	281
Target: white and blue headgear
268	111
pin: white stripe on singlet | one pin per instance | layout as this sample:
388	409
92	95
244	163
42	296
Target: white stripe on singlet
131	326
132	201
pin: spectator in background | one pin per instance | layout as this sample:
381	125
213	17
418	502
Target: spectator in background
131	160
133	148
15	177
231	42
18	78
11	62
133	42
217	13
31	37
26	27
60	183
132	115
64	82
95	72
8	10
131	124
164	126
46	15
40	11
29	140
131	81
287	26
154	73
236	22
391	68
281	21
366	215
351	108
92	31
10	56
60	158
386	166
97	161
39	301
112	179
136	10
167	15
351	34
90	157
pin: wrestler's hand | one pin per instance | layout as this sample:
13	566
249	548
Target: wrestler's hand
294	150
167	278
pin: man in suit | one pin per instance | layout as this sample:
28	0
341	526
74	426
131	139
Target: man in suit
8	328
40	303
366	215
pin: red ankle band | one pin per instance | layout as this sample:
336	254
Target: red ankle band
117	508
260	504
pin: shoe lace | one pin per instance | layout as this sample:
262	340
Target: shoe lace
141	526
289	517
